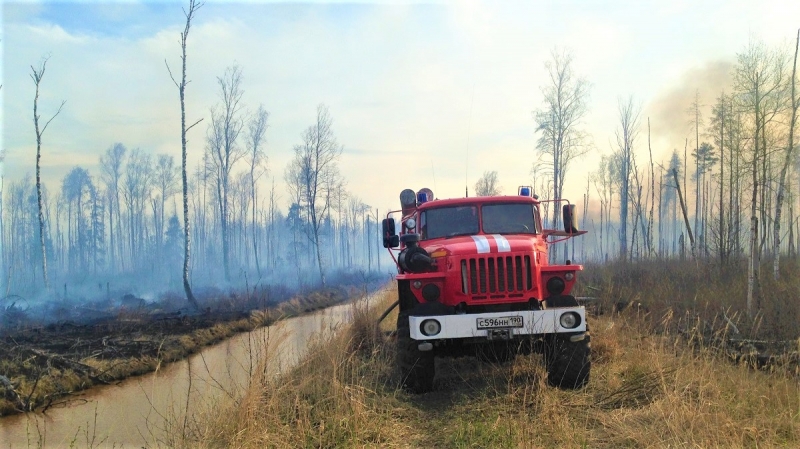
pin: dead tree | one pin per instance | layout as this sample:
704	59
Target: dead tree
697	121
36	76
626	135
559	120
224	151
683	210
2	248
166	177
758	78
193	7
315	171
111	174
258	166
652	193
487	185
137	185
795	102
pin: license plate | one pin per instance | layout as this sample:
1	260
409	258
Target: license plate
499	322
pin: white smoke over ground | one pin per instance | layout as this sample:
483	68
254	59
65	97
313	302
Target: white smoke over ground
672	114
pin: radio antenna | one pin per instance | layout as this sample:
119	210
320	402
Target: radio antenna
433	172
466	161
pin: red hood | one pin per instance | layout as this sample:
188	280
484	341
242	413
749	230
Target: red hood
471	245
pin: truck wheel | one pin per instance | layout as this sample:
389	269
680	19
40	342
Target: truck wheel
416	367
568	363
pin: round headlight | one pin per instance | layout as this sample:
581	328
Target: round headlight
555	285
569	276
431	292
430	328
569	320
411	223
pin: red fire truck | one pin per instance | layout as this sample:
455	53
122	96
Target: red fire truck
474	279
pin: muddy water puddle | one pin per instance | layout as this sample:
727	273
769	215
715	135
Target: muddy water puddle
145	410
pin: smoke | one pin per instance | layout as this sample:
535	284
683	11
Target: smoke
671	120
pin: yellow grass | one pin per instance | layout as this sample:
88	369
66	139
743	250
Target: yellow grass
646	390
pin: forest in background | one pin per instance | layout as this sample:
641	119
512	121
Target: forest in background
731	194
120	221
116	226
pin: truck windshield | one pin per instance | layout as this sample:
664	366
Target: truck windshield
508	219
449	222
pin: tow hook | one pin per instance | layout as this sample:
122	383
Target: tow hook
425	346
577	338
499	334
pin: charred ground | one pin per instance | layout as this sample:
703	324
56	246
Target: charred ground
43	364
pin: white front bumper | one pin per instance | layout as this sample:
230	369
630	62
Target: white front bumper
534	322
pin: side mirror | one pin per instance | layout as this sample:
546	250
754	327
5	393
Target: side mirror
570	219
390	237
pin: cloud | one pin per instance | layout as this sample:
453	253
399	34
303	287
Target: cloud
427	91
55	34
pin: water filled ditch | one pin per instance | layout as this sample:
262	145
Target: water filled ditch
140	411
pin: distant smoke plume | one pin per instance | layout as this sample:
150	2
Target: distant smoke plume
669	112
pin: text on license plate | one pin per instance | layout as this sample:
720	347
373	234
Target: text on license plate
499	322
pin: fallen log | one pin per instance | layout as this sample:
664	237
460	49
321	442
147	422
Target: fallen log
6	382
63	361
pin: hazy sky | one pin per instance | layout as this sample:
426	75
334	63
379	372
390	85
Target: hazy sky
422	94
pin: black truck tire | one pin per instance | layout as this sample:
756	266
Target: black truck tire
416	367
568	363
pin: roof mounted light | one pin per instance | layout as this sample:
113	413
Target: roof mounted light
525	191
424	195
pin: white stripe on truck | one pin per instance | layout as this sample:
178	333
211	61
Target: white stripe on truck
502	243
481	244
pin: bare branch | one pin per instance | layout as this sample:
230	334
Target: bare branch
193	124
54	116
170	74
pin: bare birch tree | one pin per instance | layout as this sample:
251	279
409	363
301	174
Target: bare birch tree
166	178
36	76
315	172
136	188
757	79
224	150
696	121
795	102
488	184
257	160
626	135
3	283
111	174
559	120
604	182
193	7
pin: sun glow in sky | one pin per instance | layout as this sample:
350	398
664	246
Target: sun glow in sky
422	94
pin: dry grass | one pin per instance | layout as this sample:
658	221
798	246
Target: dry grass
700	290
647	390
